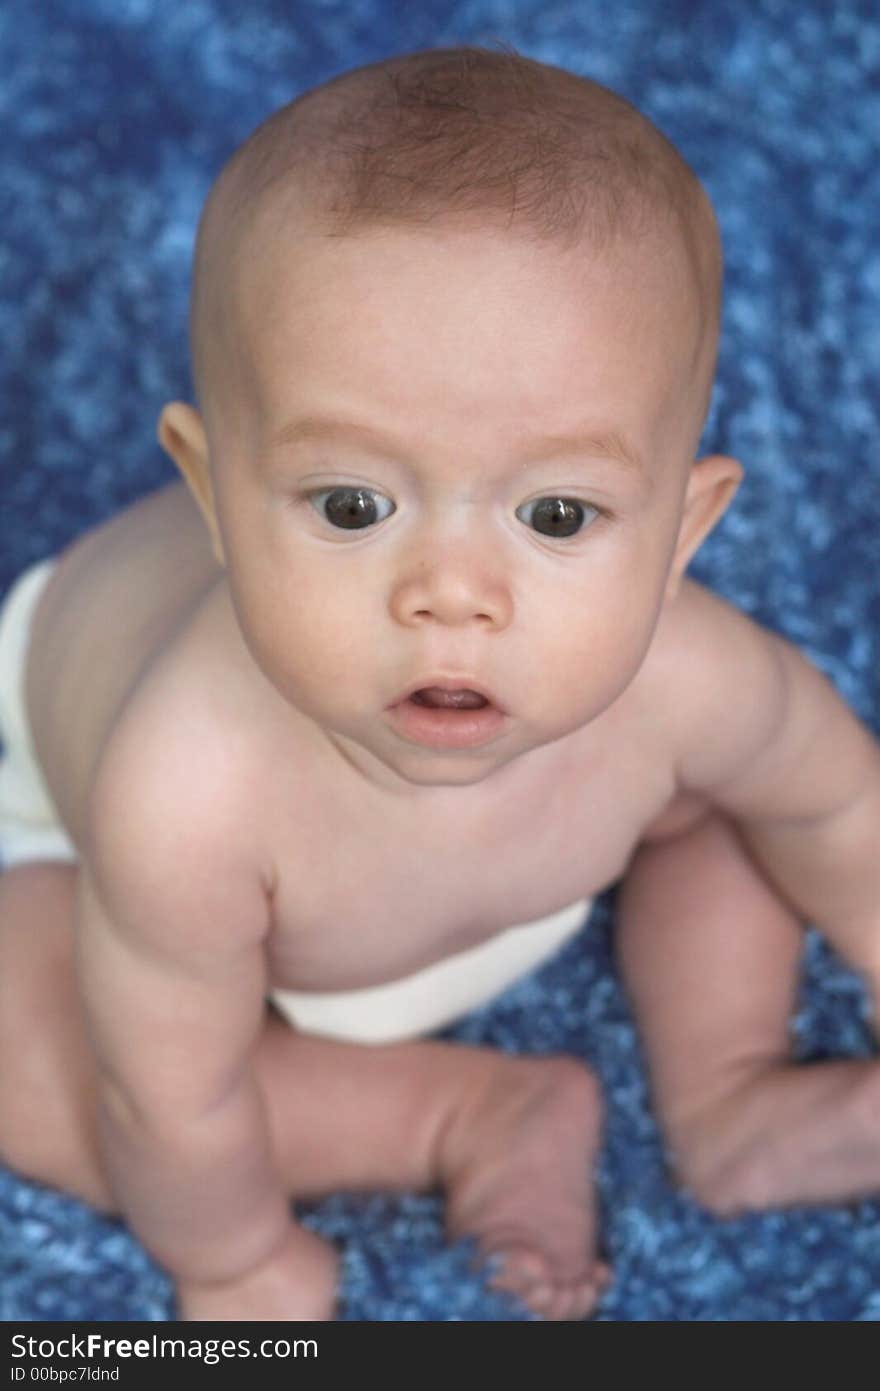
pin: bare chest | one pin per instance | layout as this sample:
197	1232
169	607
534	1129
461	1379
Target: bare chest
363	897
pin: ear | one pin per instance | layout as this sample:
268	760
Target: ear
182	435
711	488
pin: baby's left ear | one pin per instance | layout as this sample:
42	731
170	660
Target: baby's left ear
712	483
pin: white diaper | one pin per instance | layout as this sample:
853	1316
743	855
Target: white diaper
30	828
415	1005
434	997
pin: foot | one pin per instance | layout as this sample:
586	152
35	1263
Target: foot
516	1162
784	1134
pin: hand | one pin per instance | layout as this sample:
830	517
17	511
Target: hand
297	1282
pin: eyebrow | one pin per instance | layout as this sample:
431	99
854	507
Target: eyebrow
604	444
607	444
318	427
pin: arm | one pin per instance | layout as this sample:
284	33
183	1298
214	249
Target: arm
184	1137
773	746
172	920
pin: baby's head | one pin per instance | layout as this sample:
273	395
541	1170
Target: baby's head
454	326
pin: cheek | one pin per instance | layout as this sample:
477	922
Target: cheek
596	638
306	633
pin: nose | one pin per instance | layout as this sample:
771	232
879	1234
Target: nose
454	586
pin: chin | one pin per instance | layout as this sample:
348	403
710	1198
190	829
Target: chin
448	772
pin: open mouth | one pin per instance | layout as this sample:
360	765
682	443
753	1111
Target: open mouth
436	698
451	717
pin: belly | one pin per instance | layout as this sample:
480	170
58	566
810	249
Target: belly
437	995
348	916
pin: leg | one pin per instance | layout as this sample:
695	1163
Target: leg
709	954
47	1079
511	1140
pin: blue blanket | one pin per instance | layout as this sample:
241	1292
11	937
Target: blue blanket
116	115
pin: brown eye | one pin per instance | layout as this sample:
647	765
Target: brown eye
555	516
352	509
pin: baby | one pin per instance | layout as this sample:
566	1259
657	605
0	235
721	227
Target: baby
311	756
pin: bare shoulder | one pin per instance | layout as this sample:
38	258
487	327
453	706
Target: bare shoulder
723	685
756	728
172	839
116	600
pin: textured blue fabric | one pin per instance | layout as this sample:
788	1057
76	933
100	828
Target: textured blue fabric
116	114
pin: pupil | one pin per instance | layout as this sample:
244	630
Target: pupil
558	516
350	508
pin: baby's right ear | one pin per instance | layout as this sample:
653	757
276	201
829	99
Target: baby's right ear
182	435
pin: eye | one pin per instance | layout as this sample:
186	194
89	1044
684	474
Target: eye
556	516
352	509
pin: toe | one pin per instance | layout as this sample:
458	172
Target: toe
587	1292
585	1297
518	1269
525	1273
542	1300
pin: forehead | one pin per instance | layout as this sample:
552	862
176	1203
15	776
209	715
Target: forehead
463	322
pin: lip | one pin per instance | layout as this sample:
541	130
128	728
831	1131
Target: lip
447	729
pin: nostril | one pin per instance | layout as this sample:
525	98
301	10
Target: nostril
429	614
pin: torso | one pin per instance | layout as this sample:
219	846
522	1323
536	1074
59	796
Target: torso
363	889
